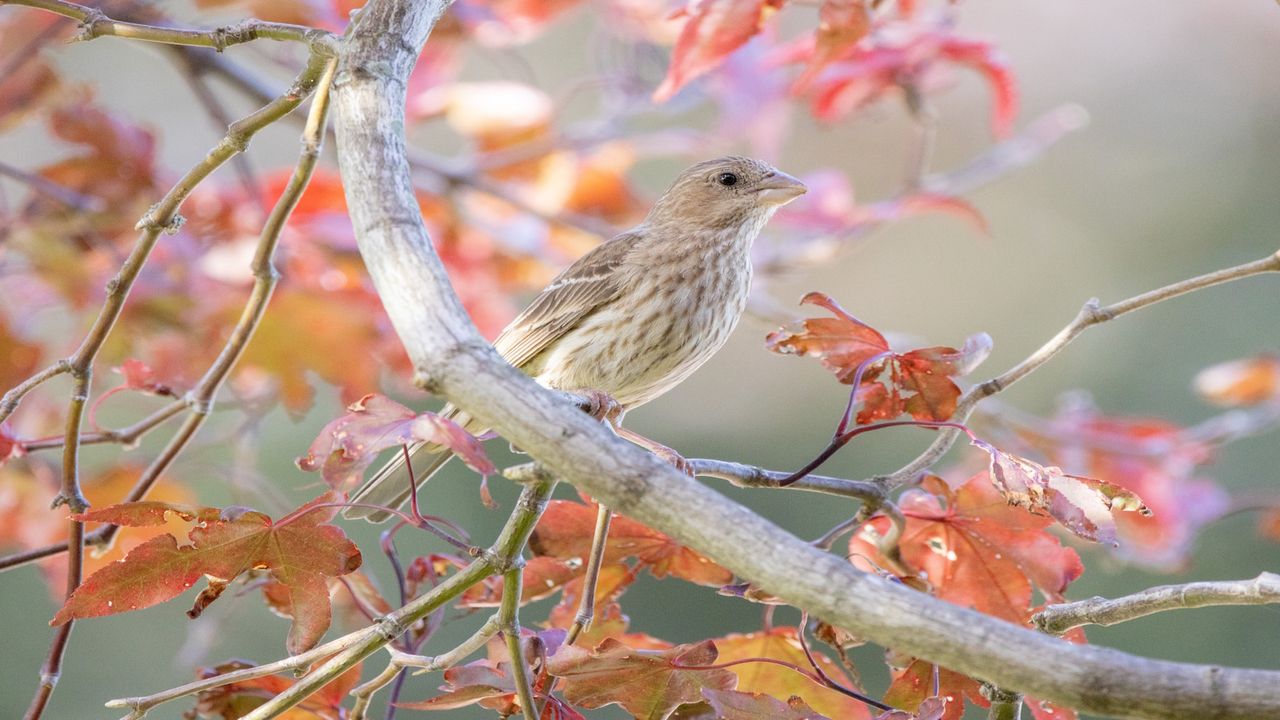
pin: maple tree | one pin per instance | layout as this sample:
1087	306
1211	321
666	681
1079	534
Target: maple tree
230	295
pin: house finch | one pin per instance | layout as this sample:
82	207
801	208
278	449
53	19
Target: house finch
637	314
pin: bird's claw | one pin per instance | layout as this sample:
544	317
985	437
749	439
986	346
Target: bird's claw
602	406
674	458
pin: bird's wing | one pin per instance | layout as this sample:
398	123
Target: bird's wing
574	294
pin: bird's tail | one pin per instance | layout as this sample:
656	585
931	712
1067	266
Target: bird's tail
389	486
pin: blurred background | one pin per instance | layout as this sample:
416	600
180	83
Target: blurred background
1175	174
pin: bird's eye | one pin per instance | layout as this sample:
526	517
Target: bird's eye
727	179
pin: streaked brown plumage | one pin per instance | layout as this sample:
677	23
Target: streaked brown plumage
640	312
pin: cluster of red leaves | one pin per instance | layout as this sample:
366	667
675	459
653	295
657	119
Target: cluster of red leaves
300	552
916	382
968	546
759	675
899	54
347	445
854	56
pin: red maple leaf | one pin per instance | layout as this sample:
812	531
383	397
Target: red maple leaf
919	381
898	52
913	689
566	529
647	683
976	550
350	443
300	552
712	30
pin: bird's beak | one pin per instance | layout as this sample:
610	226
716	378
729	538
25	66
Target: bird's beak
779	188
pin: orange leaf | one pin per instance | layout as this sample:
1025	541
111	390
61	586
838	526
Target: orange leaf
1241	382
977	551
919	381
912	689
566	529
300	551
649	684
781	643
714	29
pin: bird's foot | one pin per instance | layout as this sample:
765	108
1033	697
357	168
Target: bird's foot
673	458
667	454
602	406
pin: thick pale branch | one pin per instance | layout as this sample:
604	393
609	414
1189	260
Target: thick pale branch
1057	619
451	358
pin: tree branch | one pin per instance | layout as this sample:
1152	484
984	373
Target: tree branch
1091	314
749	476
94	24
1057	619
450	358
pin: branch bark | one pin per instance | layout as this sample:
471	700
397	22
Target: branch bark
1057	619
451	359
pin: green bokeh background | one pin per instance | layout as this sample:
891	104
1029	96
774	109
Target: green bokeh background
1177	174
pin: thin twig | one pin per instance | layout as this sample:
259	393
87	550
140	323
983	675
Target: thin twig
750	476
508	620
68	495
213	107
498	559
1057	619
587	605
201	398
126	436
1091	314
10	401
72	199
94	23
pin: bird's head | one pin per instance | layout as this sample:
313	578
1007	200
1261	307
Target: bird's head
728	192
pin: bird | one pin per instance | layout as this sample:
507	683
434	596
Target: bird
634	316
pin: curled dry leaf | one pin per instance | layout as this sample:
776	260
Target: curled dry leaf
236	699
346	446
1082	505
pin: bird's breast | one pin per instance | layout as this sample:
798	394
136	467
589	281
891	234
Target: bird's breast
669	321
